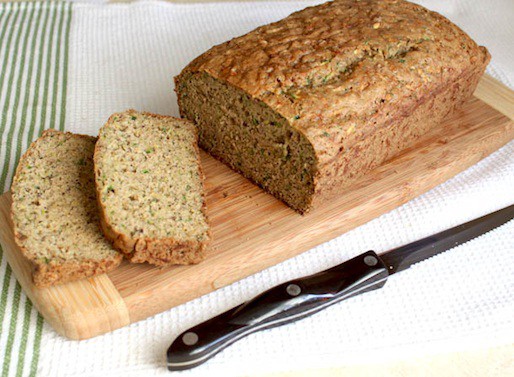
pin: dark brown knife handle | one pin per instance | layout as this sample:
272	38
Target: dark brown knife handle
287	302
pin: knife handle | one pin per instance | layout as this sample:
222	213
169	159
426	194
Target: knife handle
279	305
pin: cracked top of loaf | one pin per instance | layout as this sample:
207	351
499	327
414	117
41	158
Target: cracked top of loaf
331	67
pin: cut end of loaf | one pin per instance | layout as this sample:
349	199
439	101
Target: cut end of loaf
250	137
54	210
150	188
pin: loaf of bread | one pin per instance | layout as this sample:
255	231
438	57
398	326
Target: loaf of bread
54	210
150	188
306	105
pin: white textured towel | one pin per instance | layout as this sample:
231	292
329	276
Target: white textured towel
125	55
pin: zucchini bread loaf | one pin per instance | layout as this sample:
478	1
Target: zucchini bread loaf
54	210
306	105
150	188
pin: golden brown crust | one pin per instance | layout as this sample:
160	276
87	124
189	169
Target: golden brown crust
59	271
407	131
343	71
161	252
45	275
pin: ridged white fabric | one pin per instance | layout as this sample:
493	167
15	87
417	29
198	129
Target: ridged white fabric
125	56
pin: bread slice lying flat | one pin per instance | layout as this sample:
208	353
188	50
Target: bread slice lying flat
54	210
150	188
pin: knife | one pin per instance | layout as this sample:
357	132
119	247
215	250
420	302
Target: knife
299	298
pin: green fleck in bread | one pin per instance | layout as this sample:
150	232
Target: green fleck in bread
54	210
150	188
306	105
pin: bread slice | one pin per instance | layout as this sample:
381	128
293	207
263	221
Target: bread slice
150	188
56	222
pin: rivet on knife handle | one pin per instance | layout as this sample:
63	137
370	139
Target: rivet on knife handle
284	303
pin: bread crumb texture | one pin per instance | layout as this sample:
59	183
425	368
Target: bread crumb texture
150	188
55	213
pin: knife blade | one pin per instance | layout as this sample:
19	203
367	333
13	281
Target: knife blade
299	298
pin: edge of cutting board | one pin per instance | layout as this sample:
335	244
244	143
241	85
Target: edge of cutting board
90	307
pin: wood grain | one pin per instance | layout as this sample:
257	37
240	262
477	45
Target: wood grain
496	95
252	230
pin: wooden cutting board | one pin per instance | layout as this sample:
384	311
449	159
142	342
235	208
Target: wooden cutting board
253	231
